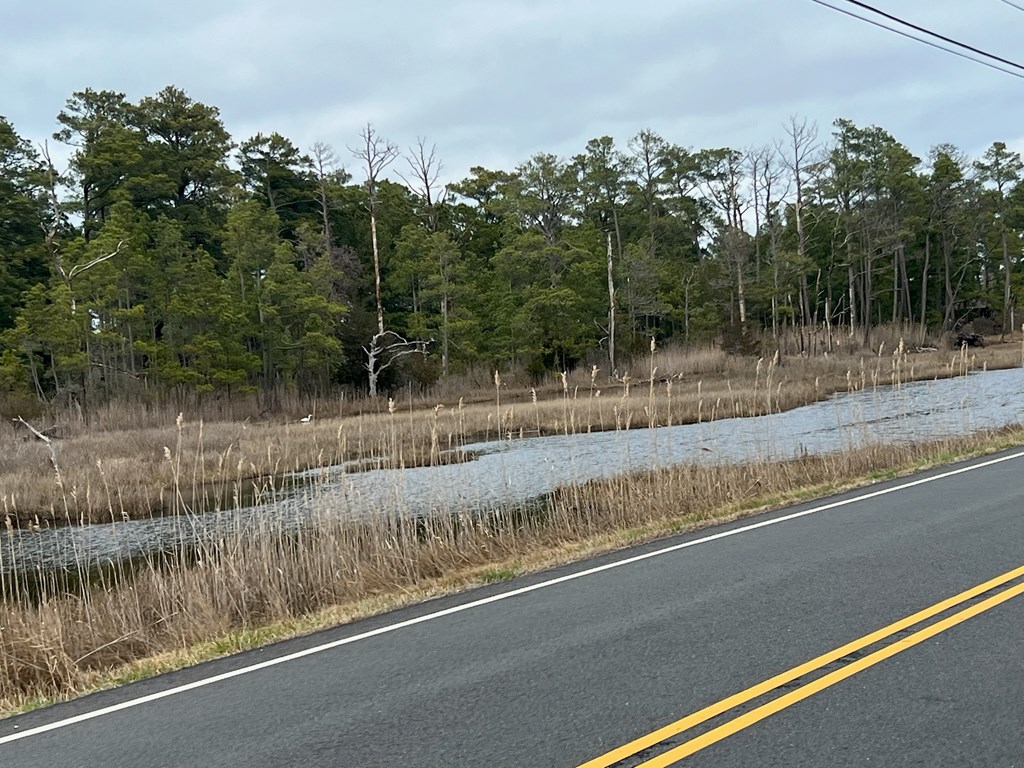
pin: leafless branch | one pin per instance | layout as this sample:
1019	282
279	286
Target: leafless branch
50	228
377	154
45	439
79	269
325	165
802	144
122	371
391	350
425	171
50	234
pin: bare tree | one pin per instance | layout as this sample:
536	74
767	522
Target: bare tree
611	305
796	155
325	165
50	235
377	154
385	346
423	179
768	188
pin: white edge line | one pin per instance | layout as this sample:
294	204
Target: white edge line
486	601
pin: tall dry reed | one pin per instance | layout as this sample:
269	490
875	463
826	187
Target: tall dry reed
112	473
62	633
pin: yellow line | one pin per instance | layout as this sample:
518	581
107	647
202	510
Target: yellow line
766	710
677	727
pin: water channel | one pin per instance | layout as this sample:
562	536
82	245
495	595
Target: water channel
517	470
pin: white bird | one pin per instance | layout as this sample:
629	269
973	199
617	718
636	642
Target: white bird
306	419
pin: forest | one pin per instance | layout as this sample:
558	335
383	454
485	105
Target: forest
169	259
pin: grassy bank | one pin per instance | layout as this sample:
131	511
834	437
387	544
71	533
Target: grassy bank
247	589
117	466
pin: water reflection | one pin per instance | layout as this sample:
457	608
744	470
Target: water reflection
516	470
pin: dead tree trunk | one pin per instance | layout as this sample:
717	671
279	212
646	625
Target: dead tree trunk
611	308
377	154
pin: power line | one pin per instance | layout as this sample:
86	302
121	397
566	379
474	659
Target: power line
1014	5
936	35
909	36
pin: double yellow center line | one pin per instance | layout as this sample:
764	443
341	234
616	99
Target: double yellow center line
759	713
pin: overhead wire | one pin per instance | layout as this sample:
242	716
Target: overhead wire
1014	5
943	48
936	35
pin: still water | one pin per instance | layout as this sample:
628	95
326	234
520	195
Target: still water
516	470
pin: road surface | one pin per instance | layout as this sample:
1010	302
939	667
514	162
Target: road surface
881	627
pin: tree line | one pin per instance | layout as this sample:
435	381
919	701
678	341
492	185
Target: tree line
168	257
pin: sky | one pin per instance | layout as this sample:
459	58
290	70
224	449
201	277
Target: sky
492	82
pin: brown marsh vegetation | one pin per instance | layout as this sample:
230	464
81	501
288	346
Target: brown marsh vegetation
116	466
248	588
62	634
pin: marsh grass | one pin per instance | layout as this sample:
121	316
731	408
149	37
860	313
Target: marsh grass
110	473
218	596
65	632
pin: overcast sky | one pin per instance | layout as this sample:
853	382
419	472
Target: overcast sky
492	82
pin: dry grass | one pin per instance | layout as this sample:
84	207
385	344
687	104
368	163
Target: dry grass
197	604
109	474
60	636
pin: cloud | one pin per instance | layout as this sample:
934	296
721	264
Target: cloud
493	83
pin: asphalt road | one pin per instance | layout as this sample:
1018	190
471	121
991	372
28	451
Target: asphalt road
558	675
